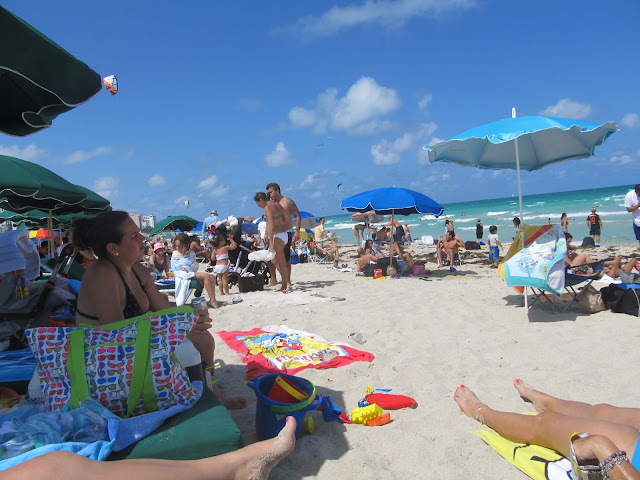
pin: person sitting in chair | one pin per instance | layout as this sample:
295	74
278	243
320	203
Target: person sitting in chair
448	246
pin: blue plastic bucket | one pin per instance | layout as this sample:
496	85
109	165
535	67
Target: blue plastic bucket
271	415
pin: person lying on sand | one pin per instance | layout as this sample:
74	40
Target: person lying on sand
254	461
612	430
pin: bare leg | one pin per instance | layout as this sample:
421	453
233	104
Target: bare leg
605	412
253	462
440	255
281	264
356	232
547	429
225	282
272	271
209	284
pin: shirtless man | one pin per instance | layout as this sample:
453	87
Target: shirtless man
276	233
366	257
396	228
289	206
449	246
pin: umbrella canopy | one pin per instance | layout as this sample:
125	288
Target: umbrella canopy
366	217
541	141
27	186
249	227
519	143
93	203
307	220
38	218
181	222
44	233
392	201
39	80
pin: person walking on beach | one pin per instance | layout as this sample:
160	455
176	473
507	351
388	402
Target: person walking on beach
277	234
479	231
632	204
494	245
289	206
595	226
207	222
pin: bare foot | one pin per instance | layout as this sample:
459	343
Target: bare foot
260	458
230	403
469	403
530	395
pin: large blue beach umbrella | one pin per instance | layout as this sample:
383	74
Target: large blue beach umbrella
522	143
528	143
392	201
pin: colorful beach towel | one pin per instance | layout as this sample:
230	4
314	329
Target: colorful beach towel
280	349
537	462
541	263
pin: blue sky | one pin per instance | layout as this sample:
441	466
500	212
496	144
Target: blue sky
217	99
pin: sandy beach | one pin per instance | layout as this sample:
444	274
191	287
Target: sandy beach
428	337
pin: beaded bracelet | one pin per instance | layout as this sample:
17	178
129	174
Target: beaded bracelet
621	453
611	461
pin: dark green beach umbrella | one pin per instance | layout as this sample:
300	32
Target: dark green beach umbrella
39	80
27	186
181	222
38	218
93	203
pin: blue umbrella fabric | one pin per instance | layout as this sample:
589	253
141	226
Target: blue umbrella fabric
392	201
541	141
307	220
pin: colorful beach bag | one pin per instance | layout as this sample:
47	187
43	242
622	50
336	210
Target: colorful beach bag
127	366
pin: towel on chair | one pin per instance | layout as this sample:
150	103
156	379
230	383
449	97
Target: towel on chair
184	268
18	253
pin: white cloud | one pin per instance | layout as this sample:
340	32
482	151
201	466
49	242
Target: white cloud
316	195
208	182
389	153
31	153
438	178
156	181
219	191
279	157
621	158
387	13
631	120
82	155
356	112
424	101
107	187
566	108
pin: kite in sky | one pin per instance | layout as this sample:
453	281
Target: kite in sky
111	84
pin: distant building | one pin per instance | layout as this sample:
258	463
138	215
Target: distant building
147	220
136	218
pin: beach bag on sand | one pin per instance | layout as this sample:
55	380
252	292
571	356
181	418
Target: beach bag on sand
621	300
129	366
590	300
470	245
588	242
368	269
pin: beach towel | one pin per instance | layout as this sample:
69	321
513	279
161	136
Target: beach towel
541	263
537	462
184	268
280	349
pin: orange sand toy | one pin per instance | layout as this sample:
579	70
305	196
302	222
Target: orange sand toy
377	422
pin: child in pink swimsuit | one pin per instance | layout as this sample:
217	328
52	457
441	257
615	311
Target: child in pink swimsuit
221	268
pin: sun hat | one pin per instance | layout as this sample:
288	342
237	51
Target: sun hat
157	246
214	212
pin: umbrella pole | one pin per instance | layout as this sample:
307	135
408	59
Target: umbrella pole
521	232
50	228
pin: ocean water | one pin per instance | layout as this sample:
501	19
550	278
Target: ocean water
617	222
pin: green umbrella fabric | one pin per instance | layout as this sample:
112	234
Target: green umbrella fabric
93	203
39	80
27	186
181	222
38	218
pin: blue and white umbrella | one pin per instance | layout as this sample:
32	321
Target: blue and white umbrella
308	220
392	201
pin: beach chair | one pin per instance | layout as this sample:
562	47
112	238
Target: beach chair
574	276
317	256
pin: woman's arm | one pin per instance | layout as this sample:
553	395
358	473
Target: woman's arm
600	448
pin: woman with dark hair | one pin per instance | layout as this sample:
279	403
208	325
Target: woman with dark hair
117	286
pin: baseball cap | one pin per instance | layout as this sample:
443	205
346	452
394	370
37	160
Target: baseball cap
214	212
157	246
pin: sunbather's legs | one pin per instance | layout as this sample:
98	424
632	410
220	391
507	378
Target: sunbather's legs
209	284
547	429
581	259
251	462
605	412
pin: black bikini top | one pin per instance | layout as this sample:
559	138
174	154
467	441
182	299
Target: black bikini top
131	306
